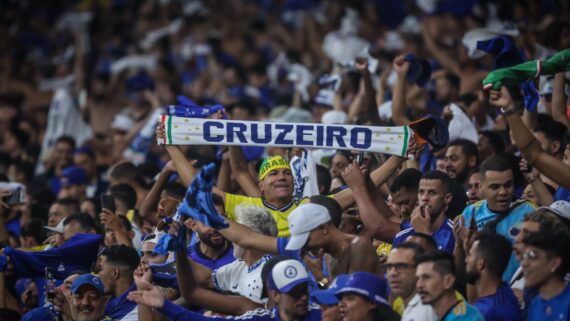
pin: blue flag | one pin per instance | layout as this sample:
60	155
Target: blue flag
188	108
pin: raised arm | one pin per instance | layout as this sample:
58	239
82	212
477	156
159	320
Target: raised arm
150	203
376	220
559	100
238	164
246	238
401	67
552	167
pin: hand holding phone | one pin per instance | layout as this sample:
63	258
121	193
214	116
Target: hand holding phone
108	202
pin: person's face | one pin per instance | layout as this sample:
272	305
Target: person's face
443	90
316	240
30	295
473	264
149	256
431	194
88	304
110	238
440	164
485	148
330	312
354	307
62	154
538	266
65	287
497	188
401	272
277	184
338	164
55	215
107	274
295	304
405	200
88	207
87	163
73	191
456	163
545	143
566	159
431	285
527	227
473	187
239	113
528	195
209	236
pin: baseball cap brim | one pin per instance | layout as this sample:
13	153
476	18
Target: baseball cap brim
325	297
290	286
296	242
56	229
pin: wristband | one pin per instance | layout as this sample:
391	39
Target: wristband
509	112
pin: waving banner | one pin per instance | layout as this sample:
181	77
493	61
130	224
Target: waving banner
197	131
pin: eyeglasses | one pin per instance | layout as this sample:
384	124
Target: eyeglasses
399	267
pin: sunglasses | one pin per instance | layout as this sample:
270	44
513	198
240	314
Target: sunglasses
399	267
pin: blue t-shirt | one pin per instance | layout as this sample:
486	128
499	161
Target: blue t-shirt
443	237
463	311
120	306
555	309
194	252
507	227
562	194
501	306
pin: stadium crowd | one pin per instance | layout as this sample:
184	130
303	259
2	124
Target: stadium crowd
107	214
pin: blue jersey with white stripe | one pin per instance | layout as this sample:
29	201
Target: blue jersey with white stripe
508	227
443	237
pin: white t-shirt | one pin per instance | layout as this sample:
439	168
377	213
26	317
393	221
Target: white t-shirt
417	311
237	277
132	316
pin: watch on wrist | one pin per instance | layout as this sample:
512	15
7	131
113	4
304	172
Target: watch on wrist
323	283
510	111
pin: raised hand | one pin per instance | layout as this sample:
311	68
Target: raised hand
501	99
353	175
152	296
420	219
401	65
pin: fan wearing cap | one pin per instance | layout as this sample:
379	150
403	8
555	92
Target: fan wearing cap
362	299
287	284
327	299
73	181
88	298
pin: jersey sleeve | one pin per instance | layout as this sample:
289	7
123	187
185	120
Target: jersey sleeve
281	244
231	202
222	277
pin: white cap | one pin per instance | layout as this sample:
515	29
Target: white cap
122	122
302	221
287	274
334	117
560	208
58	229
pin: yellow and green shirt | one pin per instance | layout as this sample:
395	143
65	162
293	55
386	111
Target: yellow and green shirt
279	214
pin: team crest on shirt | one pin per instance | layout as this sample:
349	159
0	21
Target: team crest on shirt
514	231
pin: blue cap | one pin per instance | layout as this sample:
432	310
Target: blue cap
139	82
21	286
366	284
286	275
73	175
87	279
328	296
39	314
420	70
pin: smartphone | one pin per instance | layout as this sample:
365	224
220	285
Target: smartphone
108	202
13	198
50	283
18	195
360	158
528	168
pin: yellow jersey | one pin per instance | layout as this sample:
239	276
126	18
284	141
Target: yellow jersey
279	214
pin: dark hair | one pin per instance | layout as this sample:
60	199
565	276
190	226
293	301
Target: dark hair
334	209
66	139
35	229
554	131
122	255
468	148
126	172
442	262
555	243
439	176
25	168
126	223
85	221
495	140
495	249
174	189
458	199
467	99
546	220
495	163
408	179
125	194
453	79
418	250
324	179
429	240
69	205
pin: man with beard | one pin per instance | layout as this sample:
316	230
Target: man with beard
436	287
473	186
212	250
429	217
485	264
496	211
461	157
88	298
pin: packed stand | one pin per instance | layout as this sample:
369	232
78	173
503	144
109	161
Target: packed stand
284	160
